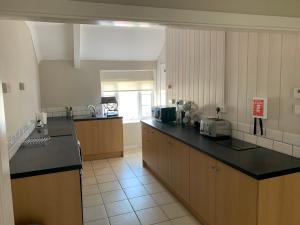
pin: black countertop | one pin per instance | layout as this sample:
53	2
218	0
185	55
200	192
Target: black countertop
89	117
62	153
260	163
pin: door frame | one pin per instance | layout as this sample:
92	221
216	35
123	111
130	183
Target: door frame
6	205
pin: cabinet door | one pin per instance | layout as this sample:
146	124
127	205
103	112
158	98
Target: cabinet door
87	134
153	157
163	155
146	144
180	169
236	197
202	185
110	135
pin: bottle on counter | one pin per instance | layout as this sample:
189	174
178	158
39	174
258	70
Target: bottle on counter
69	112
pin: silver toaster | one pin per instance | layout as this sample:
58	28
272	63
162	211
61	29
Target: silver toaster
214	127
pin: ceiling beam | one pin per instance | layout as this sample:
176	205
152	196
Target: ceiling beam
86	12
76	43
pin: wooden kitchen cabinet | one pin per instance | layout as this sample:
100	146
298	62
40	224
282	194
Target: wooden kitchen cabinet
179	180
202	185
48	199
153	150
110	135
216	193
100	138
87	133
164	158
279	200
236	197
146	144
219	194
168	158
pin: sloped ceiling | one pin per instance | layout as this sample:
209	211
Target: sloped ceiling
54	41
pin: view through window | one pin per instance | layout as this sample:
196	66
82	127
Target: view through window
133	105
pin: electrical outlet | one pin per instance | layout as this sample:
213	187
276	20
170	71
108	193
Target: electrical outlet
297	110
21	86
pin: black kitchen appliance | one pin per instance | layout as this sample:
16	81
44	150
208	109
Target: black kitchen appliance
236	144
164	114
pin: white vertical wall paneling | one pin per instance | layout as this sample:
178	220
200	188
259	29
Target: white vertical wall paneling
273	81
268	66
202	70
288	67
187	65
199	65
168	67
289	79
206	106
192	65
180	75
252	72
220	86
231	75
242	77
262	61
213	72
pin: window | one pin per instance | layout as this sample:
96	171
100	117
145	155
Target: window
133	105
133	90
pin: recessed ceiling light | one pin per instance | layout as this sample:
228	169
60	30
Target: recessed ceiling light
125	24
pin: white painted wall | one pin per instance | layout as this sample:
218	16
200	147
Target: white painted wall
121	43
62	84
132	135
18	63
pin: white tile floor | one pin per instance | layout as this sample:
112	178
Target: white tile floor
120	191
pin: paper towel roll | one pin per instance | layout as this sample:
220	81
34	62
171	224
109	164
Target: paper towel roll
42	117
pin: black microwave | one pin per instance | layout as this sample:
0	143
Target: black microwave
164	114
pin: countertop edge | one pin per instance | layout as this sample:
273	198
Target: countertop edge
44	172
96	118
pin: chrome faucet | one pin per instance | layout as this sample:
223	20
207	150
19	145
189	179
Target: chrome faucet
92	108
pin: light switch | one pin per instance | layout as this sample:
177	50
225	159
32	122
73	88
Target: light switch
297	110
6	88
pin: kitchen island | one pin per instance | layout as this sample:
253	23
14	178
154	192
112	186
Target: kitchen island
219	185
46	178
